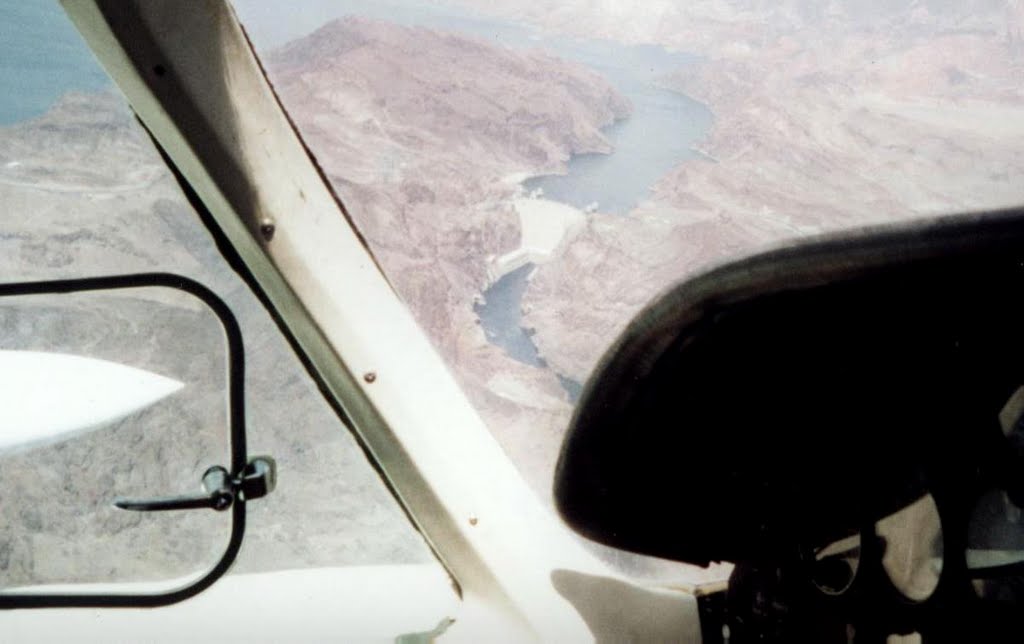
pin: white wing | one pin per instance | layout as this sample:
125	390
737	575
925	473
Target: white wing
47	396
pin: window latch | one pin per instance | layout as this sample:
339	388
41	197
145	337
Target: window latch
220	489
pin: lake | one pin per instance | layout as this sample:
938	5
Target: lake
500	316
42	57
659	135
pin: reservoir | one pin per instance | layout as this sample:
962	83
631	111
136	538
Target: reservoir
500	317
659	134
41	58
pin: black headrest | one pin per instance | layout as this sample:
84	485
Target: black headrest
796	395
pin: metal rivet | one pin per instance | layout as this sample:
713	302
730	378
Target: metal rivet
473	520
267	229
369	376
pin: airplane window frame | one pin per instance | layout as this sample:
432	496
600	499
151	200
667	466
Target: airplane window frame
413	417
235	359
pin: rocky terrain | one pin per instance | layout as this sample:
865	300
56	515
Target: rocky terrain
426	162
826	116
84	193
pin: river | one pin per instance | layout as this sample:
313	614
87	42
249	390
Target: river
37	67
41	58
659	135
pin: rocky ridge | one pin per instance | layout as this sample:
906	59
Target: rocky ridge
84	193
826	117
422	133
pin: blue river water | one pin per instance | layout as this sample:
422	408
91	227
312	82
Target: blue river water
501	317
658	135
41	58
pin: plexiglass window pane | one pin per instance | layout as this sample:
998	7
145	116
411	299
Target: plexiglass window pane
529	173
82	193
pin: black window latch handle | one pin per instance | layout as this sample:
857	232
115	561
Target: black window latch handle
220	489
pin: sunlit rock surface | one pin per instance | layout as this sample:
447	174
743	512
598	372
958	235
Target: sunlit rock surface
420	132
84	193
